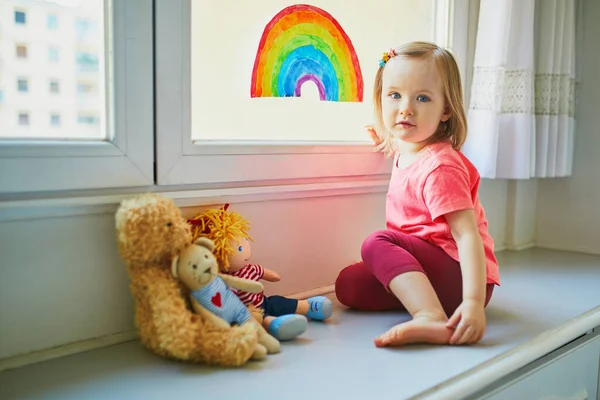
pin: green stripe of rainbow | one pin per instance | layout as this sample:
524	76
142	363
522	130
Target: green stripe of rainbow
304	25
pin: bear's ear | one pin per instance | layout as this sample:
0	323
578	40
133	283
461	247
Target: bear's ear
205	242
174	265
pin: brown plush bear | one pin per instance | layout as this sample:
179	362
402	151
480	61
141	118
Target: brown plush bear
150	233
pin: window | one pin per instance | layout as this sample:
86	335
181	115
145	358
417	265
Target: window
159	74
113	146
85	28
20	17
52	22
21	51
55	120
85	88
53	54
87	62
23	85
54	87
210	117
24	119
87	119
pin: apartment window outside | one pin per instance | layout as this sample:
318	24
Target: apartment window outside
52	22
54	87
20	17
87	62
86	119
85	29
53	54
23	85
24	119
85	88
55	120
21	51
42	72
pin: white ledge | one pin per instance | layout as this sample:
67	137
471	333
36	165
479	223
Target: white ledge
102	204
491	371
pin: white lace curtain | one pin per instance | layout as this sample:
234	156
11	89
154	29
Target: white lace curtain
522	110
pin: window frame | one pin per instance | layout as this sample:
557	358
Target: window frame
180	161
125	161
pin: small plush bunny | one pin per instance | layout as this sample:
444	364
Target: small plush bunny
197	268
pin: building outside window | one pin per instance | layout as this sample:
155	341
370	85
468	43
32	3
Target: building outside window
20	17
85	29
53	54
23	85
24	119
87	62
87	119
54	86
85	88
52	22
55	119
21	51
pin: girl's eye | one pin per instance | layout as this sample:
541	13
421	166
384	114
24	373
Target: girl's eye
423	98
395	96
240	248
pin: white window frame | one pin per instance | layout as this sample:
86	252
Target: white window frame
125	161
180	161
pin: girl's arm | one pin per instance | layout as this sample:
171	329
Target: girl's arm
464	229
270	276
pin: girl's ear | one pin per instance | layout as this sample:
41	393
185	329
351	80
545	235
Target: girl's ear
446	115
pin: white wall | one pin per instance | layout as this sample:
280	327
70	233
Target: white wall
568	210
62	281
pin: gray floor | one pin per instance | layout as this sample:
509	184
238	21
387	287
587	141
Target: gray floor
334	360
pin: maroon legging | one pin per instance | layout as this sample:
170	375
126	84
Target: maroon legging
387	254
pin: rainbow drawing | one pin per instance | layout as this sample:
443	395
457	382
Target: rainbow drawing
305	43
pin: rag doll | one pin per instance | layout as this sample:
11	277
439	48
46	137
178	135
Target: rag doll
284	318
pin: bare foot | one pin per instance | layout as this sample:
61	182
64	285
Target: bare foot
418	330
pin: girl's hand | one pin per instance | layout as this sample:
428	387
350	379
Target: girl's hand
468	321
377	140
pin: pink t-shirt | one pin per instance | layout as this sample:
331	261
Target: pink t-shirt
440	181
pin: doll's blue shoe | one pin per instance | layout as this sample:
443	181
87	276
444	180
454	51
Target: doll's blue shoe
319	308
288	327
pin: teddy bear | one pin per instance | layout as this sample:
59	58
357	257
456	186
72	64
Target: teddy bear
150	233
197	268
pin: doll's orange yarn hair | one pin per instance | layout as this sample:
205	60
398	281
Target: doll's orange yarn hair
220	226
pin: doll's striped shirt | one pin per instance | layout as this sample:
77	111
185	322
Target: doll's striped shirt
253	272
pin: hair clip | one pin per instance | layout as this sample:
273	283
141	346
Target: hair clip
386	57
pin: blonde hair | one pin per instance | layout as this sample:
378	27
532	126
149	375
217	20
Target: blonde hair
455	129
220	226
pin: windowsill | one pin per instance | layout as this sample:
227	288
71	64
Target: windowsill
338	358
101	202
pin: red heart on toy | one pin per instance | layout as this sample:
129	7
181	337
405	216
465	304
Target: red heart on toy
216	300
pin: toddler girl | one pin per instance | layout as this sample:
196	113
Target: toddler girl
435	259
